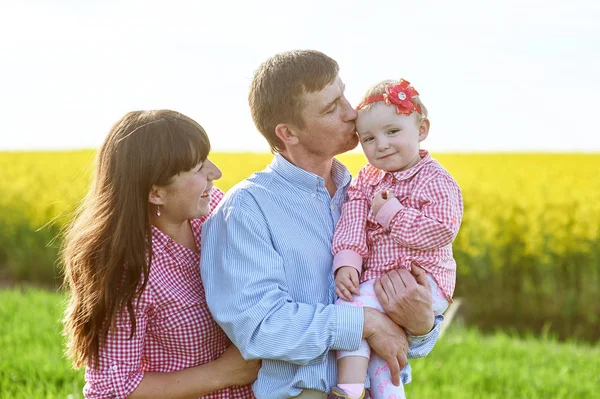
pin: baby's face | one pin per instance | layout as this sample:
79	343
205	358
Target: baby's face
390	140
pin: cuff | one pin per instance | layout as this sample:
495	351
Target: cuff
417	340
387	212
123	379
347	257
350	322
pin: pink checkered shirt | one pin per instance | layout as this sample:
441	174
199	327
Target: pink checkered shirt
174	329
418	225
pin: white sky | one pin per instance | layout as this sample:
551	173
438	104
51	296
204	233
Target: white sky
511	75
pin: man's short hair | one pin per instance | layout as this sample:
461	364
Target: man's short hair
279	84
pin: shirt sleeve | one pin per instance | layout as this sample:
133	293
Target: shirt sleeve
433	226
349	246
421	346
246	291
119	371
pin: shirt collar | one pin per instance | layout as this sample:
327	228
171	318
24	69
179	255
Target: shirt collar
307	180
375	176
161	241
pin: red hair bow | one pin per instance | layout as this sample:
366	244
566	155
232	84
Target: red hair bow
400	95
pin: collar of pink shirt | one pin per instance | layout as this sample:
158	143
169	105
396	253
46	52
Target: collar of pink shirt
375	176
161	242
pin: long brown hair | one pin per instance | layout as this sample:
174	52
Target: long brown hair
107	249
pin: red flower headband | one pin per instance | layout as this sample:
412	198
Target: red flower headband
400	95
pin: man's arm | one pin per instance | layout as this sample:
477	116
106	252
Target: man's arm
421	346
247	292
406	299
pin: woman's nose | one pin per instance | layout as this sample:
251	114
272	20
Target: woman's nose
214	173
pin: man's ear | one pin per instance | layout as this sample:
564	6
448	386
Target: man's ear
424	129
157	195
286	134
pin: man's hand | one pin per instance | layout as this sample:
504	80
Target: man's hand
388	340
407	299
346	283
379	200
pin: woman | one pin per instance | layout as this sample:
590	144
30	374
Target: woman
137	316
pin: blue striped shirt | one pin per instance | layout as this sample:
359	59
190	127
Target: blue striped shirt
267	271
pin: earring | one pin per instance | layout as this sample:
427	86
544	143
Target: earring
157	210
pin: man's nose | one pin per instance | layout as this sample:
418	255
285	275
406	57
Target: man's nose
350	113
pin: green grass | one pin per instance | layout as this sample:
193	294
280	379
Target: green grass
464	364
31	350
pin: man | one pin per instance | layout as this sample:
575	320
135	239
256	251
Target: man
266	252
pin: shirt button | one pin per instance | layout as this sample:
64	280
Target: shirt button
114	368
332	207
313	195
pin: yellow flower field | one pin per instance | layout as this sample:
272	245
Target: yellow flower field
529	243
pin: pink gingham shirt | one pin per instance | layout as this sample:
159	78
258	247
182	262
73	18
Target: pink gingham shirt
174	329
418	225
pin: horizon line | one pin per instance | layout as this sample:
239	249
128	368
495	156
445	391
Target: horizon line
351	152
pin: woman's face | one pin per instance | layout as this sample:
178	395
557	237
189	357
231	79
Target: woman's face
188	195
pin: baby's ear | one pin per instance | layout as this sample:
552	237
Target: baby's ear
424	129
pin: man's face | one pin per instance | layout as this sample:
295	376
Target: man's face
329	121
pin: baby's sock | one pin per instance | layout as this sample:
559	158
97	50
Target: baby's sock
355	391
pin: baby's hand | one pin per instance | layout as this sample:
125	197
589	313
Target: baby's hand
379	200
346	283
